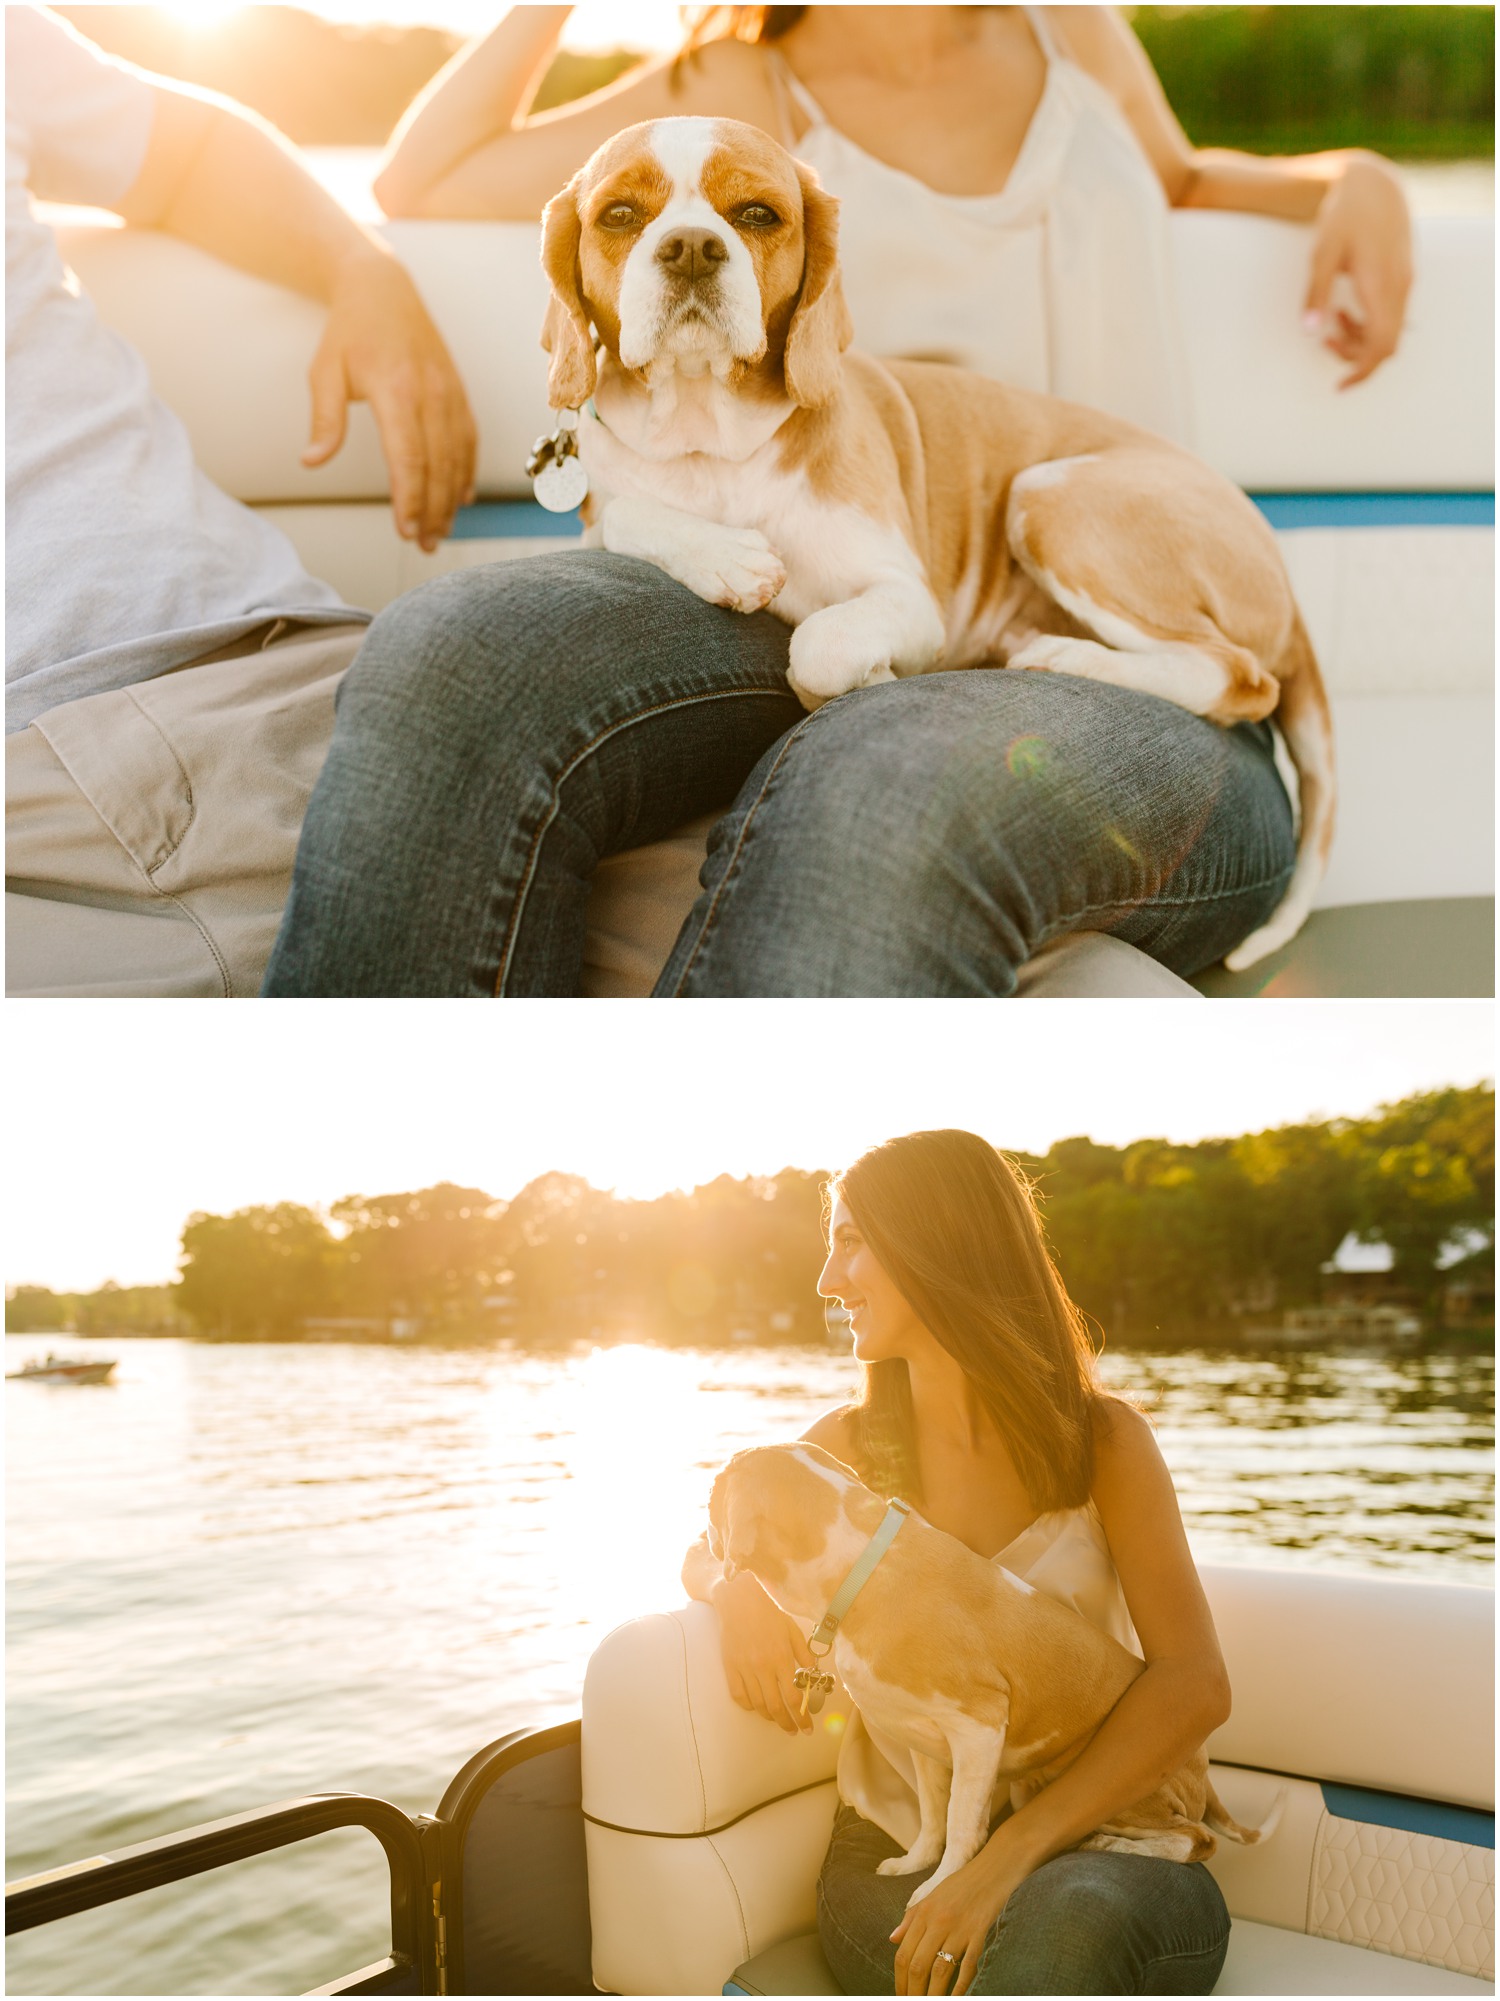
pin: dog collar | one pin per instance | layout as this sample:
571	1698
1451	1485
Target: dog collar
821	1641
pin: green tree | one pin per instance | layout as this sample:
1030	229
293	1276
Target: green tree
1426	1180
259	1273
432	1255
35	1309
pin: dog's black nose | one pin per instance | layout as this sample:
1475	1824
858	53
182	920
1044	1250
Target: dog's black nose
691	253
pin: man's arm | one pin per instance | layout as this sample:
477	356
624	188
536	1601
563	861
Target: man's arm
218	176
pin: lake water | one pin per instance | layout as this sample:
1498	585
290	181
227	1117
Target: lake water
237	1574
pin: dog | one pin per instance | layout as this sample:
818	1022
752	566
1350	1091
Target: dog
991	1685
902	516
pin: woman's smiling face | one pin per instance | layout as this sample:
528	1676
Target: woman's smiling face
880	1318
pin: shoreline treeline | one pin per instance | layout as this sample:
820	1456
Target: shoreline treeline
1154	1240
1415	82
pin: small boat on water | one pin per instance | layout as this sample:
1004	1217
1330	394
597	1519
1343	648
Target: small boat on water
58	1369
668	1842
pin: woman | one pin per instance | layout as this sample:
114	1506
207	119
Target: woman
908	113
1003	176
981	1406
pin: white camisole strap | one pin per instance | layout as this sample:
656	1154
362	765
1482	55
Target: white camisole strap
1036	18
787	85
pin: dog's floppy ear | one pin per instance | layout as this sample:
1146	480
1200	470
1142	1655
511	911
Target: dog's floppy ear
718	1506
821	328
565	330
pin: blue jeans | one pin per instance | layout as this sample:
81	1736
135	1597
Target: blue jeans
1093	1923
503	729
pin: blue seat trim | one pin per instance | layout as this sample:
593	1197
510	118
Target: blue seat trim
1377	510
1413	1816
731	1987
507	520
496	520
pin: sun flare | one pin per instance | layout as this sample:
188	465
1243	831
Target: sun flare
205	15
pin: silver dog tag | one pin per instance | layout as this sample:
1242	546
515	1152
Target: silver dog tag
561	485
814	1687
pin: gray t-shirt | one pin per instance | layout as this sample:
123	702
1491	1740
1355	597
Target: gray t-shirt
122	560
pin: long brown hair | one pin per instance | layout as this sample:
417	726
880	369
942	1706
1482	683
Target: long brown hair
955	1226
735	24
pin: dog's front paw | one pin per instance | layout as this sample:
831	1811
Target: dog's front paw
909	1863
734	567
839	648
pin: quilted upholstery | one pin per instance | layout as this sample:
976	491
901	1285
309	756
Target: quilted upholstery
1410	1894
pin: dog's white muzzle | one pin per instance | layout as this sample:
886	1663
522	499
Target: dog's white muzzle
689	291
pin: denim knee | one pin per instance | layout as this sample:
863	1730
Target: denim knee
1108	1923
553	644
488	639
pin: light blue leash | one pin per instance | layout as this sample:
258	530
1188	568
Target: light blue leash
813	1683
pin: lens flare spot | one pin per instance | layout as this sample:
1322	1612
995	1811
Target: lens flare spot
834	1724
1114	834
1029	757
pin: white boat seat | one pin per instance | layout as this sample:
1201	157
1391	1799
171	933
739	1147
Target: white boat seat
1262	1959
1365	1704
1442	947
1382	503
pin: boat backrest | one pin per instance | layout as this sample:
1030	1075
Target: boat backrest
1363	1709
230	353
1379	499
1366	1681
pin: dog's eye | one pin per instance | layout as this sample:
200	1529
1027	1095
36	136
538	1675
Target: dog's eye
619	215
757	215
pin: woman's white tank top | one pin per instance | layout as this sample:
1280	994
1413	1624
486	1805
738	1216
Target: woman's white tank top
1065	1554
1061	282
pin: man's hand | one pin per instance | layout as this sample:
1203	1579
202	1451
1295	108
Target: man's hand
381	348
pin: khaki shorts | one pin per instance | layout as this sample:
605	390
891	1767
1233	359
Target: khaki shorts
150	831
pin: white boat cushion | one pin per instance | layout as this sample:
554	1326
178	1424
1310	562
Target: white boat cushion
1261	1959
705	1826
1415	1895
1328	1869
232	362
1332	1682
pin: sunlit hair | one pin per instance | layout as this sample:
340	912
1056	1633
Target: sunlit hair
735	24
954	1225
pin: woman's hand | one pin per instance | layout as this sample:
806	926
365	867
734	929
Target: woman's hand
956	1917
762	1650
1364	232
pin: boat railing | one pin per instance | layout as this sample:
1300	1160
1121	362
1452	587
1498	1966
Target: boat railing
412	1850
489	1895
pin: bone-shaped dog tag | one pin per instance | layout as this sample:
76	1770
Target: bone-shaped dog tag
814	1687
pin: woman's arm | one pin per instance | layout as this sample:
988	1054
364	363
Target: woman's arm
465	147
761	1645
1161	1719
1355	198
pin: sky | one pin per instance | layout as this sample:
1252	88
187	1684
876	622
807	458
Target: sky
119	1131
